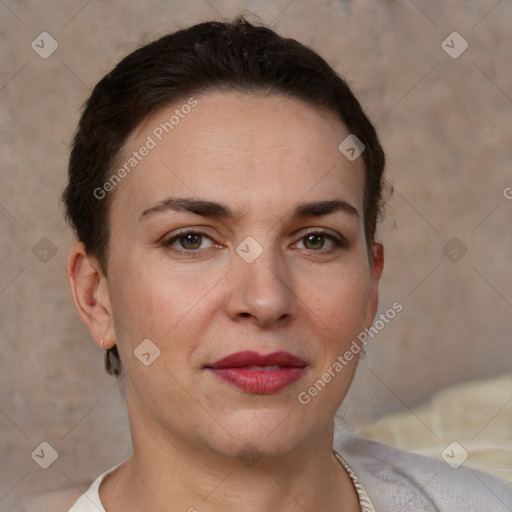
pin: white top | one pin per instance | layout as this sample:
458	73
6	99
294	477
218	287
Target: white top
90	500
389	479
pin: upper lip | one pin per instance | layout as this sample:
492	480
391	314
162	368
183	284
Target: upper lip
250	358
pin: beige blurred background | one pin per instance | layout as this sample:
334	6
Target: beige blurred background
445	122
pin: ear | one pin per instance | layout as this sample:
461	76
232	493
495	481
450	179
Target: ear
376	268
89	288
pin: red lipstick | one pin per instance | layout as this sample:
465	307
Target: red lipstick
257	373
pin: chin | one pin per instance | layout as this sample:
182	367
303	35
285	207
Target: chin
262	432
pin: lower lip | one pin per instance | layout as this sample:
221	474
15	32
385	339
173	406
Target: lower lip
260	382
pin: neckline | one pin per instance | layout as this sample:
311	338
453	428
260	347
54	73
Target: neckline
364	500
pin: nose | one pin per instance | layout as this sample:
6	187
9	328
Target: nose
261	292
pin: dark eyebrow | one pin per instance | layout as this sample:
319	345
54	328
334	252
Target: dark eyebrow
204	208
212	209
319	208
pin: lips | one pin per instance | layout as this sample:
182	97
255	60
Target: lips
258	373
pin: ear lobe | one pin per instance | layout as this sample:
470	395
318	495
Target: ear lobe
89	288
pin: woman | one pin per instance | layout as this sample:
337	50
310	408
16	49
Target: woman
224	187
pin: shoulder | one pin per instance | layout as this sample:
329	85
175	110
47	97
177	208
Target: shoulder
399	480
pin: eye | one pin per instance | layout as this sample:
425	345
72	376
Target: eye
189	241
317	241
314	241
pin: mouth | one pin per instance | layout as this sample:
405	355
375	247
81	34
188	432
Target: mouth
257	373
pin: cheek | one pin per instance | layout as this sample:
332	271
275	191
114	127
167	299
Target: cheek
135	302
337	313
158	303
338	300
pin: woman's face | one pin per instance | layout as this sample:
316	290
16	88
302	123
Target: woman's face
248	263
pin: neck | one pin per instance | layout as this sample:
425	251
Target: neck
166	473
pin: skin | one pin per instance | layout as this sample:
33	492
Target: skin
261	157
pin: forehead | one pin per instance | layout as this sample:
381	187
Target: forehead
241	149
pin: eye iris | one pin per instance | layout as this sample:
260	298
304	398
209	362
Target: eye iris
314	241
191	241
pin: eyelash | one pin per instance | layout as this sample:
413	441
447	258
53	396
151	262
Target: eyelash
340	242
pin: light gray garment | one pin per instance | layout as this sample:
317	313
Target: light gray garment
399	481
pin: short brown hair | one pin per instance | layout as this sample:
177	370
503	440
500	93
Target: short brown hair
205	57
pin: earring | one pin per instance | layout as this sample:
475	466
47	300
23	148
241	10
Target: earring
102	342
